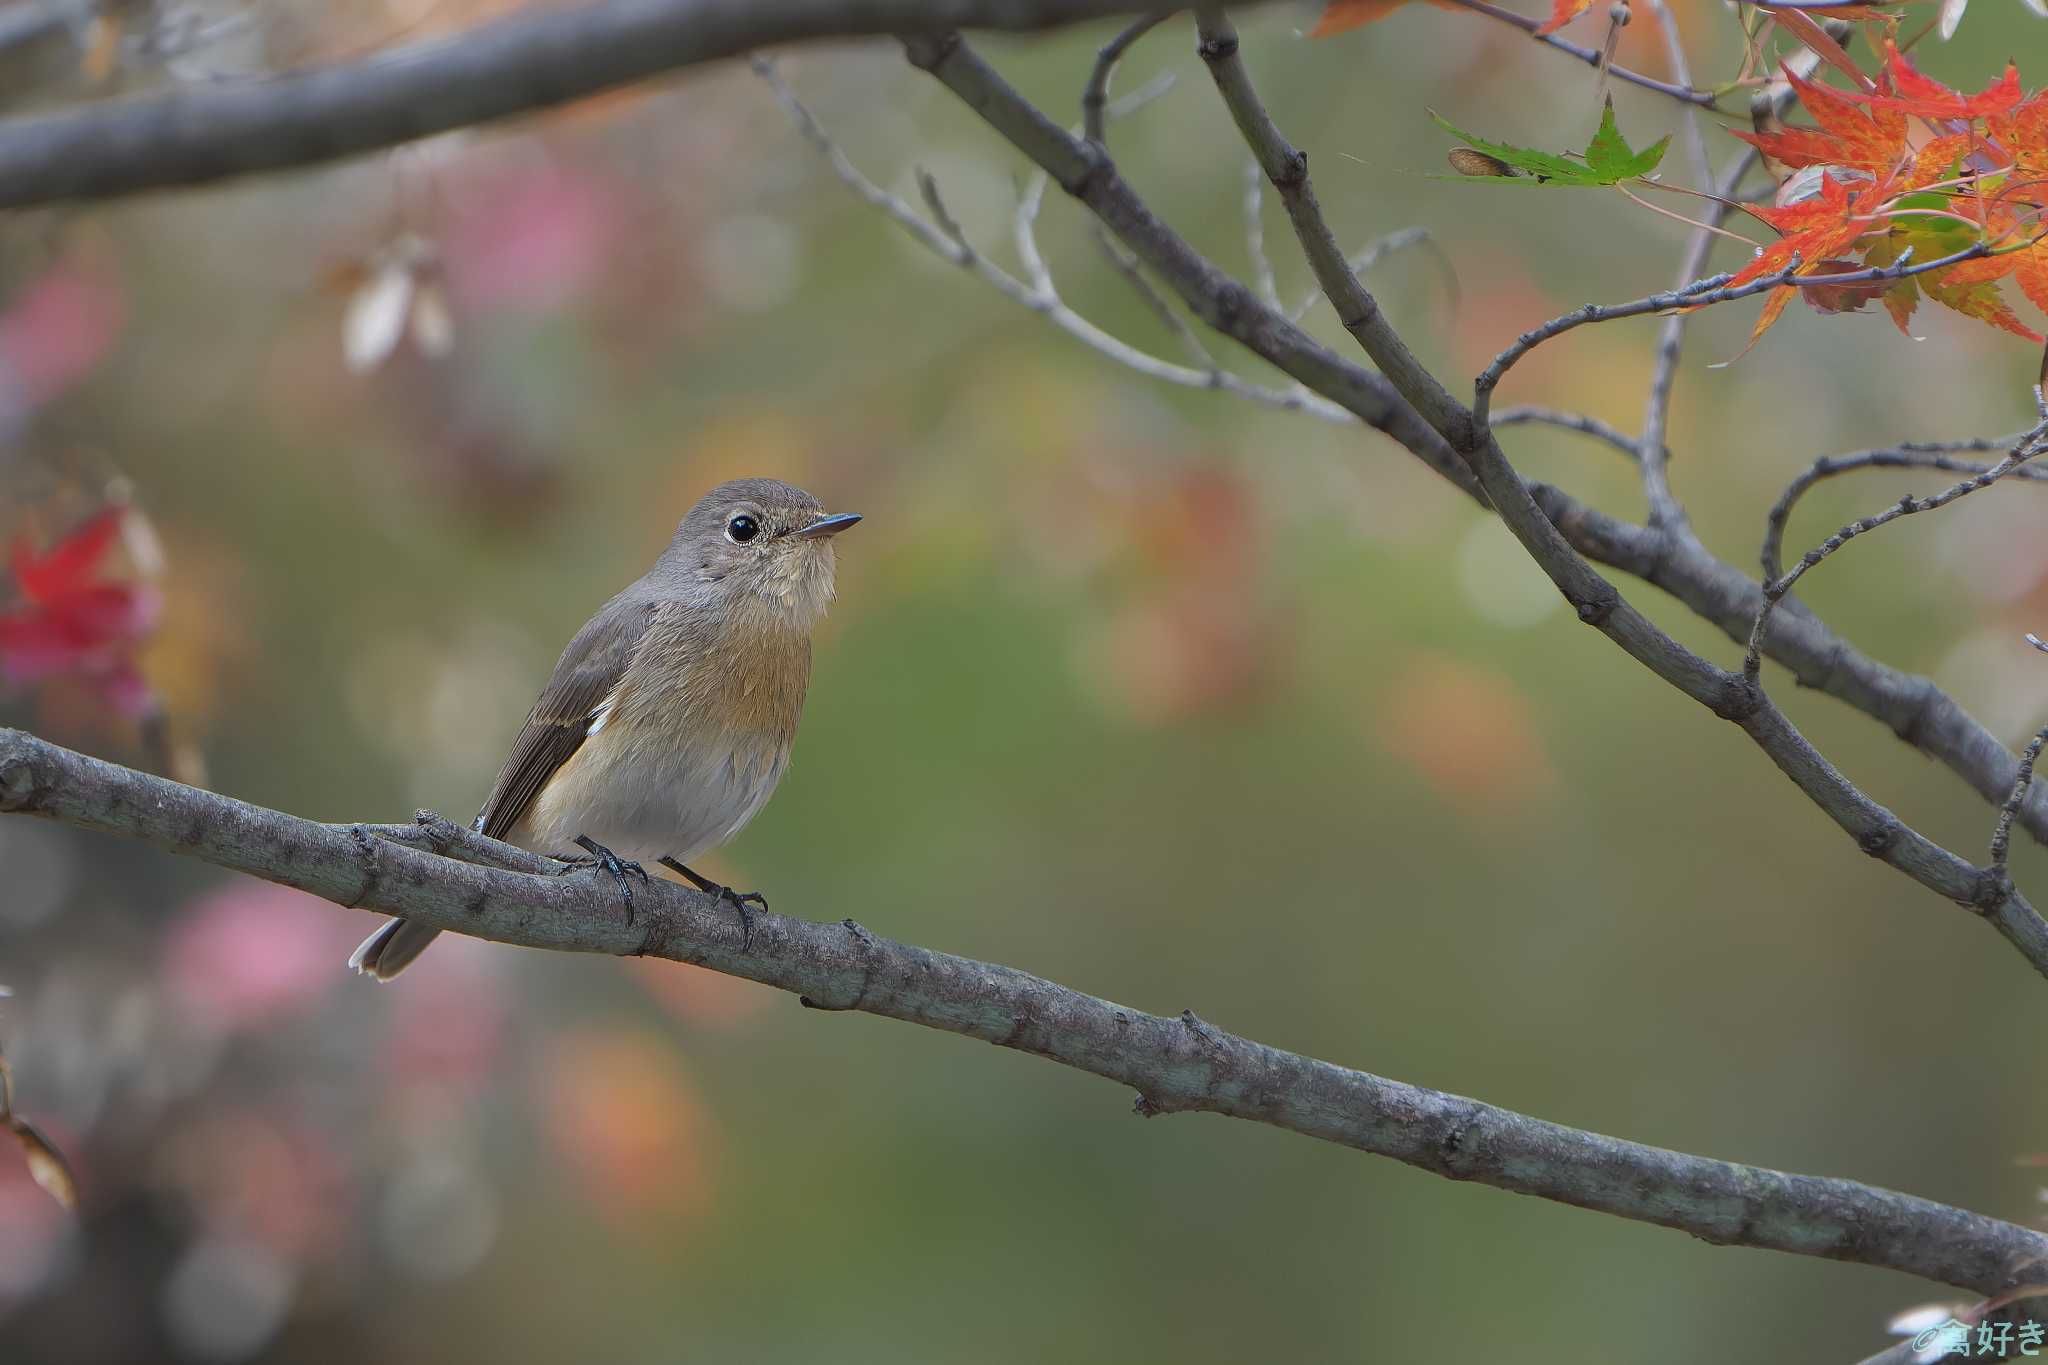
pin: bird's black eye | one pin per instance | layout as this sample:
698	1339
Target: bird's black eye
742	529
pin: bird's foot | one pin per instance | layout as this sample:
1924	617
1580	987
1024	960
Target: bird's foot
604	860
737	899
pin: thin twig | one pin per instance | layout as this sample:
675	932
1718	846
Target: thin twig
1263	280
1701	294
1126	265
2029	445
1590	56
1907	455
1287	170
1096	113
947	241
1580	422
1653	453
1665	510
2001	837
1366	257
1681	67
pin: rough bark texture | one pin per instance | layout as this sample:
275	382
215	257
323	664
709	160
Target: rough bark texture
1175	1064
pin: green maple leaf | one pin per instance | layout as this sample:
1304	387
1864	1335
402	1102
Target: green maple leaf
1607	160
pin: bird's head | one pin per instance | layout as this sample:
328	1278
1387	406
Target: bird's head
762	545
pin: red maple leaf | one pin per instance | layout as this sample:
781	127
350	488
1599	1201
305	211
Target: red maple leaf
1911	92
1849	137
68	622
1908	165
1815	231
1341	16
2028	267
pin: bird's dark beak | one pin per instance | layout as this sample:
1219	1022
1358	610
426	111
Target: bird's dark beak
828	526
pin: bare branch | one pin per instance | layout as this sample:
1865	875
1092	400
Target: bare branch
1733	696
1176	1064
946	240
1083	171
1911	707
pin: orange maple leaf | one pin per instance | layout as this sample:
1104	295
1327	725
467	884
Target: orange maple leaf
2028	267
1562	12
2022	133
1978	299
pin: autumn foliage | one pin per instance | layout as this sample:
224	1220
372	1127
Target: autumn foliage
1901	190
1910	170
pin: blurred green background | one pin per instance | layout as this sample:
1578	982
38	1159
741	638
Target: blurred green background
1164	696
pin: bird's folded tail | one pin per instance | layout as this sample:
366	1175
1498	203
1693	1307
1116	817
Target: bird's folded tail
391	949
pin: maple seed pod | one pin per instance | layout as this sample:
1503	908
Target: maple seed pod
1466	161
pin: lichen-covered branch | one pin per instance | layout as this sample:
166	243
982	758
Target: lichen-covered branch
1174	1063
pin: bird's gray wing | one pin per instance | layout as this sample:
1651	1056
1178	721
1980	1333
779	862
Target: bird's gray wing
587	673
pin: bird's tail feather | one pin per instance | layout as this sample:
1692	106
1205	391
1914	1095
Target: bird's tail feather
391	949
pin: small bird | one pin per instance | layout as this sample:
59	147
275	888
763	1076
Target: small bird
670	716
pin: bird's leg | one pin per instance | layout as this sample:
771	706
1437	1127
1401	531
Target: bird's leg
604	860
738	899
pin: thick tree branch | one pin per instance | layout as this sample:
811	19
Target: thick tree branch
1175	1064
511	66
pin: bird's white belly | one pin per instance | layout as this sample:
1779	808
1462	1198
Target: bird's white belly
644	798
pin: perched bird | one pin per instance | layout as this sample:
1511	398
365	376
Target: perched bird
670	716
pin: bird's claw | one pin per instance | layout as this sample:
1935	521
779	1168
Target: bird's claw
604	860
737	899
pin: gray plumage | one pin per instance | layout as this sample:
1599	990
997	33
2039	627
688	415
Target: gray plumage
669	717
